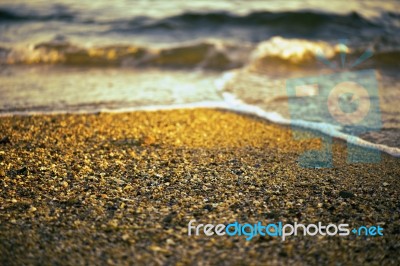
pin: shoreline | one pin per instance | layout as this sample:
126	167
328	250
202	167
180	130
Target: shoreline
235	106
120	188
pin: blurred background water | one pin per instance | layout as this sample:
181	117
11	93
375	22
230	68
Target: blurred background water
73	56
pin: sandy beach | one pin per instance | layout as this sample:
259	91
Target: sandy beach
121	188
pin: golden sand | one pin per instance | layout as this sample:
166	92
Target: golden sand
121	189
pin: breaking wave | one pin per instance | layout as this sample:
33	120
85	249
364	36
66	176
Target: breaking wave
210	54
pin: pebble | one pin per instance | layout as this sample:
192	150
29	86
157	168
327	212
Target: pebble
346	194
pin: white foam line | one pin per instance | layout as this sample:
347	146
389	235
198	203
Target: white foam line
326	129
233	104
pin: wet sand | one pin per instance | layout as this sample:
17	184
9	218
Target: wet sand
121	189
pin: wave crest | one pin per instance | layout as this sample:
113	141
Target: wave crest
209	54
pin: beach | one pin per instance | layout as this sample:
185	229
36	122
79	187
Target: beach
121	188
199	132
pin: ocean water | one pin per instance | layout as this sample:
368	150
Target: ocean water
69	56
